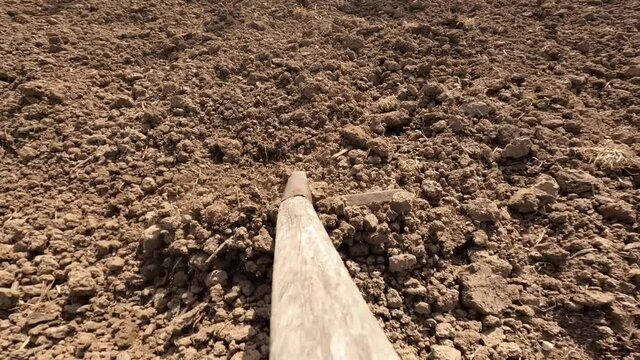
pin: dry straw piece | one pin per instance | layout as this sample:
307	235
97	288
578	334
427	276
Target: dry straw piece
610	156
387	104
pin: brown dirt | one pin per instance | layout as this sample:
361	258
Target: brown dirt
144	145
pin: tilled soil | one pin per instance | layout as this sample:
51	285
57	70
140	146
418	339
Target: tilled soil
145	144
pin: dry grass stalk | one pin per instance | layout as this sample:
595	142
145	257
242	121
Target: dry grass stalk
467	23
610	156
301	13
387	104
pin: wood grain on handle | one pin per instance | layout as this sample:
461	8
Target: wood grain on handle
317	312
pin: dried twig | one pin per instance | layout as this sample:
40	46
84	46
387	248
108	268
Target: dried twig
544	231
43	293
555	304
223	247
195	183
582	252
339	153
25	343
474	353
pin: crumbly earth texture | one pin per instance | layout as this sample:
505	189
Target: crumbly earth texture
144	146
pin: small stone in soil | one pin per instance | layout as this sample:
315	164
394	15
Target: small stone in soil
440	352
439	126
148	185
576	181
401	202
57	332
81	283
379	146
402	262
27	153
393	299
490	321
85	339
634	276
151	238
216	213
115	263
236	332
230	149
487	293
355	136
547	346
8	298
422	308
517	148
126	335
393	119
593	299
524	201
377	198
445	331
618	211
43	312
216	277
632	71
509	350
263	242
476	109
493	336
6	278
480	238
123	355
370	222
122	101
482	209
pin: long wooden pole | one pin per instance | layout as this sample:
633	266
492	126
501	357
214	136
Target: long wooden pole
317	312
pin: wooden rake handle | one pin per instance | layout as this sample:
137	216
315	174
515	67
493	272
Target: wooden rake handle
317	312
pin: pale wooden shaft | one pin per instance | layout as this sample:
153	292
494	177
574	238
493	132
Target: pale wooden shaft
317	312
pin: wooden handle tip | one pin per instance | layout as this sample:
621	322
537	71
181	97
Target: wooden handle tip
297	185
